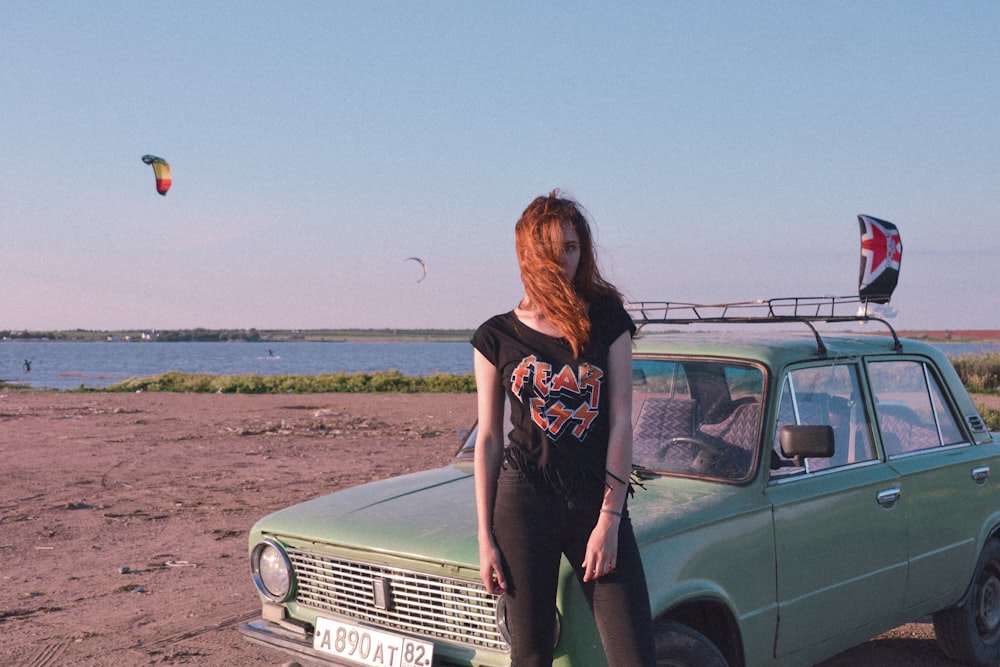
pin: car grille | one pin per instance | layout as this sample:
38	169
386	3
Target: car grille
455	610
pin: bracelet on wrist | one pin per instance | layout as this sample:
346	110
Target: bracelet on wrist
614	512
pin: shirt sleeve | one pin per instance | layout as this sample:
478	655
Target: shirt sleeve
611	320
485	340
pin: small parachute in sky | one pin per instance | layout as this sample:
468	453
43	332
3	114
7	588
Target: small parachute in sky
881	254
161	169
422	266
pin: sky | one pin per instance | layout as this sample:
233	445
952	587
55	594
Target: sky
722	149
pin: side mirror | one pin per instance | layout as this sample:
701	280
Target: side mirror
806	441
466	444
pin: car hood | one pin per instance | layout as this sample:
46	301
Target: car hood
431	516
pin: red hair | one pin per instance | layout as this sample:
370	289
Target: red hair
539	241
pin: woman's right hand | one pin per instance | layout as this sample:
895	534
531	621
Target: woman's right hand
490	570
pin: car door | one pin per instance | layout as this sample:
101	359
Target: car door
840	537
946	490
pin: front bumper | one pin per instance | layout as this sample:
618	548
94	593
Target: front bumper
296	639
278	637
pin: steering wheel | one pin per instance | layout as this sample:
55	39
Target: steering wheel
715	448
709	457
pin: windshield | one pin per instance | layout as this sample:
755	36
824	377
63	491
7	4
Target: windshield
689	417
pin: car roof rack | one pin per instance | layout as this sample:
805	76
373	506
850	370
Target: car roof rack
804	310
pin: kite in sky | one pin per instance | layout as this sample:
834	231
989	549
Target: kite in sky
161	169
881	254
422	266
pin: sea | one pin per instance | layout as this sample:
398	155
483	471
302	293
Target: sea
66	365
73	365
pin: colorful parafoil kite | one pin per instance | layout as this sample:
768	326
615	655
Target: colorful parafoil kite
422	266
161	169
881	254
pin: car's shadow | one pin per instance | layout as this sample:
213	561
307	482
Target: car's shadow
910	645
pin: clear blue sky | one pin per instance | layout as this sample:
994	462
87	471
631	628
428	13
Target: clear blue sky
723	149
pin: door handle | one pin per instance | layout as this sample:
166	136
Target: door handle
888	497
980	474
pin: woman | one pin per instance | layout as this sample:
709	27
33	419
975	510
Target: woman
563	357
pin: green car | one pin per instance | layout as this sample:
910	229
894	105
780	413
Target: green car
796	494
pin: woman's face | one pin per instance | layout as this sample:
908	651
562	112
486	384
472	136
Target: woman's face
569	257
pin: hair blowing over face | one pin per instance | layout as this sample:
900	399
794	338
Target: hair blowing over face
539	242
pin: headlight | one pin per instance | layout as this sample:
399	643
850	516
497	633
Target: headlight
272	571
502	623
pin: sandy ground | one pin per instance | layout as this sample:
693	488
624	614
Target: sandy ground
124	517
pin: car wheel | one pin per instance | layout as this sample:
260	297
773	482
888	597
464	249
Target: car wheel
970	633
677	645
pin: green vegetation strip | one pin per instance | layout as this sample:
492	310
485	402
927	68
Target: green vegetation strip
980	373
991	416
363	383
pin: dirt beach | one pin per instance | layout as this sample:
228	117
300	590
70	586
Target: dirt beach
124	517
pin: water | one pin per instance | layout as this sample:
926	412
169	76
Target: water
70	365
959	349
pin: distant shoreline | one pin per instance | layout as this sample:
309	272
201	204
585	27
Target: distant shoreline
245	335
366	335
953	335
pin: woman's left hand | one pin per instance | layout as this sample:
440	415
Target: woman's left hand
602	548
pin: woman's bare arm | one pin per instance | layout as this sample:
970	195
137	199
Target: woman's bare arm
488	458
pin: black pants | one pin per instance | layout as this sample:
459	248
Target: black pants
533	529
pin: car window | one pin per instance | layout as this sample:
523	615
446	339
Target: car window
824	395
912	413
699	418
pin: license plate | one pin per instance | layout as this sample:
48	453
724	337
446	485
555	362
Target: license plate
366	646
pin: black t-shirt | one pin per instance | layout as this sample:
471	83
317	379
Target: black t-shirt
559	403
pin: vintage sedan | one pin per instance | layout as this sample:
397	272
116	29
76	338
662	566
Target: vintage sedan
796	494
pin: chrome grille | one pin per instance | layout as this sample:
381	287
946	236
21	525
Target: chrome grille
455	610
